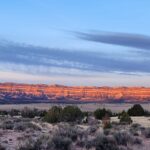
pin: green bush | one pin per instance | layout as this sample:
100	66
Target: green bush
85	114
100	113
14	112
136	110
3	112
71	113
147	113
125	118
31	113
53	115
27	113
41	113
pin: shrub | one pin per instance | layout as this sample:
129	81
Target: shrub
101	142
137	141
125	118
147	113
107	131
80	143
136	125
85	114
123	138
106	143
147	132
120	114
41	113
53	115
61	139
22	126
68	131
89	143
71	113
92	129
3	112
27	113
40	143
107	125
134	132
2	147
7	125
31	113
100	113
135	128
14	112
136	110
28	145
61	143
106	122
121	147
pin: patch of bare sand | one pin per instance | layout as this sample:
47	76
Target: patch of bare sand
143	121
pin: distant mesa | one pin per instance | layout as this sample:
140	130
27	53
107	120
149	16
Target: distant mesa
41	93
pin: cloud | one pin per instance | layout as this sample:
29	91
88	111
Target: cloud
103	79
122	39
34	55
54	61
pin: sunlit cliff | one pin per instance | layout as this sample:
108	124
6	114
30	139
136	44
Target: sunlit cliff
10	92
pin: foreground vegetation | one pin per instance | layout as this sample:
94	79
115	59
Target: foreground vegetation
69	128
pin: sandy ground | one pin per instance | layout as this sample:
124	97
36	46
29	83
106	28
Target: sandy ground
143	121
84	107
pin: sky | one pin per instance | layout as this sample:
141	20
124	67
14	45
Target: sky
74	42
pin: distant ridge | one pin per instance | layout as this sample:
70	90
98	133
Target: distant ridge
39	93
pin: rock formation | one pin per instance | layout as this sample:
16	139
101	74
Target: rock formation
20	93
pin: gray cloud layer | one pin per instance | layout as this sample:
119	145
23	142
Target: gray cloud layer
29	55
123	39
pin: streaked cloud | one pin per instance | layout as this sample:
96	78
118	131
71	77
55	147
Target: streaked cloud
103	79
116	38
54	61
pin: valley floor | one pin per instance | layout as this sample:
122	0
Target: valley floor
117	107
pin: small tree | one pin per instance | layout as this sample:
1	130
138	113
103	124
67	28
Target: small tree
125	118
3	112
100	113
71	113
27	113
106	121
136	110
14	112
53	115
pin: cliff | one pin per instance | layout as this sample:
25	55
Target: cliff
20	93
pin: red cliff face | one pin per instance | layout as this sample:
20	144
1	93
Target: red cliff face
41	92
